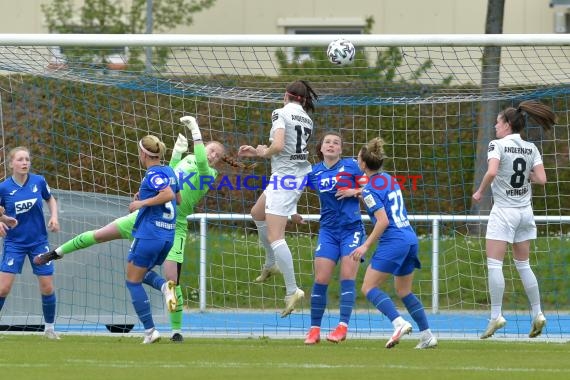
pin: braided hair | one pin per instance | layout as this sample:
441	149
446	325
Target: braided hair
233	162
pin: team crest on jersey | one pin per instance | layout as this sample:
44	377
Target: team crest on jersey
159	181
369	201
491	147
24	206
274	116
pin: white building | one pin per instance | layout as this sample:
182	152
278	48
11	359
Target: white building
304	16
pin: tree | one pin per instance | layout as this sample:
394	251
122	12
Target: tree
117	17
491	64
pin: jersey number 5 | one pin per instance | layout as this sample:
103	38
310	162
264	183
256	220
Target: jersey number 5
170	214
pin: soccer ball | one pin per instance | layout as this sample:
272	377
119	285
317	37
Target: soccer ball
341	52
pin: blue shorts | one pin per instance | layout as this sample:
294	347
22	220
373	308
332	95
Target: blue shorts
14	256
335	244
400	259
148	253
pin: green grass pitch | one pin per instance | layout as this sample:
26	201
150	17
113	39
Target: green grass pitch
25	356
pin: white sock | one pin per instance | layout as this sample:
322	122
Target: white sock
49	326
262	235
496	286
398	321
530	285
285	264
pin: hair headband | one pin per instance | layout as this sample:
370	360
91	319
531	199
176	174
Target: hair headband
298	97
146	151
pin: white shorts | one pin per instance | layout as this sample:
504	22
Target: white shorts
281	199
511	224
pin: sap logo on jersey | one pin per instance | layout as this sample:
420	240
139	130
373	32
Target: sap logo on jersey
25	205
327	184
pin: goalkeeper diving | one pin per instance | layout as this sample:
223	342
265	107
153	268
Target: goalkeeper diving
192	166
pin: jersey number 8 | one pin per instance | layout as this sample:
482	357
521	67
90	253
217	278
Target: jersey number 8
517	179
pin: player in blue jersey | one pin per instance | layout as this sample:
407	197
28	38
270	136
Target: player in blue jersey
397	250
22	196
6	222
189	169
341	231
153	233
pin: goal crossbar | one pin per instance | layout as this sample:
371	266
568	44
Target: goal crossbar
278	40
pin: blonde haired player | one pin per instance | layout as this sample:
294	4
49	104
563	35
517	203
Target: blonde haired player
290	130
202	163
22	196
513	164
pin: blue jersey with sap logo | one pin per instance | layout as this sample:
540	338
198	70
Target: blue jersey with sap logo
383	192
337	213
25	203
156	222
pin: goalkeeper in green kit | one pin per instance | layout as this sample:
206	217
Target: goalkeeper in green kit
193	172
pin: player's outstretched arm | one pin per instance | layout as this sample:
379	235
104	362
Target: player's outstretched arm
180	148
191	123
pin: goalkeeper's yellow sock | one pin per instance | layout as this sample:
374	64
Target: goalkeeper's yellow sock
176	316
83	240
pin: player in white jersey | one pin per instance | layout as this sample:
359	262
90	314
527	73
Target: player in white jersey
291	128
513	164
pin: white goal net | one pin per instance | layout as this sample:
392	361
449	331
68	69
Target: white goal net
81	102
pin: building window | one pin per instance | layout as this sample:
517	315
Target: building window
334	26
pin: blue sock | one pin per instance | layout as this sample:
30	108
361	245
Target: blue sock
2	300
318	303
141	303
416	310
154	279
48	307
383	303
347	297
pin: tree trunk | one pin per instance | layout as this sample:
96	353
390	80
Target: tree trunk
491	63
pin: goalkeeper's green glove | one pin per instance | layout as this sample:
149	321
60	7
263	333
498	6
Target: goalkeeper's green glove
192	125
180	147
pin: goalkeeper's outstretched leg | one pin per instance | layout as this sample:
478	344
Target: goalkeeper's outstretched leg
119	228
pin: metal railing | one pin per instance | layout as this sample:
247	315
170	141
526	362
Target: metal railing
435	220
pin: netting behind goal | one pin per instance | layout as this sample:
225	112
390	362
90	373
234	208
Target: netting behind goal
82	110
